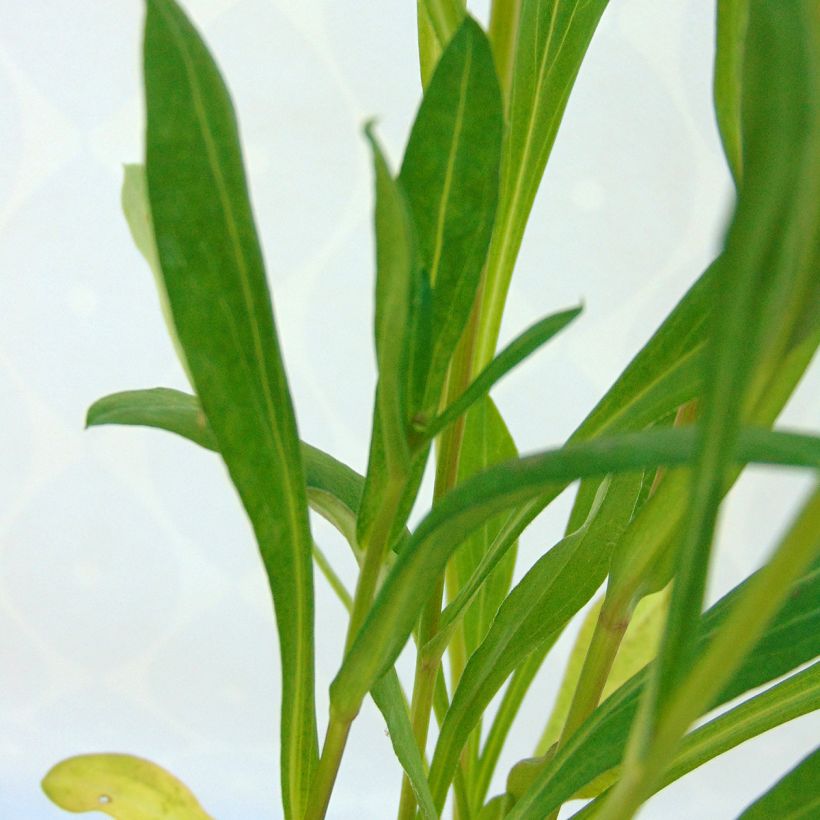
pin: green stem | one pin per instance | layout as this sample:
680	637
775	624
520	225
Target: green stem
377	543
606	640
737	636
449	455
423	691
328	768
332	578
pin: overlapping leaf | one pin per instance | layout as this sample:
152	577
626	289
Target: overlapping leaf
215	278
507	485
792	638
764	273
552	38
450	174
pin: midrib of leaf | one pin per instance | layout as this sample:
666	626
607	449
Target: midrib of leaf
509	230
269	417
451	161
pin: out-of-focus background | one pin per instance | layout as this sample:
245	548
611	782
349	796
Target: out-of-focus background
134	613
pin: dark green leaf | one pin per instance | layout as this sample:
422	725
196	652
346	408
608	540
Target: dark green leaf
450	174
214	274
797	695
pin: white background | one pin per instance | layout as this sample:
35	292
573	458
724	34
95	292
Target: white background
134	614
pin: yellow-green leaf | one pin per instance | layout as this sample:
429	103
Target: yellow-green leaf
122	786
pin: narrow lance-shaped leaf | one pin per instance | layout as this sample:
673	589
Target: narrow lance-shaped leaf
512	355
122	786
798	695
781	133
795	796
334	489
732	20
396	269
137	210
792	638
499	488
215	277
486	442
450	173
553	36
533	616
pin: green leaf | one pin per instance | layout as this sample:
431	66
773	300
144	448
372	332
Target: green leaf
732	21
437	22
450	175
512	355
159	407
137	210
796	696
532	617
792	638
444	17
760	267
664	374
511	701
503	32
487	441
638	648
334	490
387	695
499	488
214	274
395	287
796	796
553	36
122	786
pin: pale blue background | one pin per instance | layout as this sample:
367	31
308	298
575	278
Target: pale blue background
134	613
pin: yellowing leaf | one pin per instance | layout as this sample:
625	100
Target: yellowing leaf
122	786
